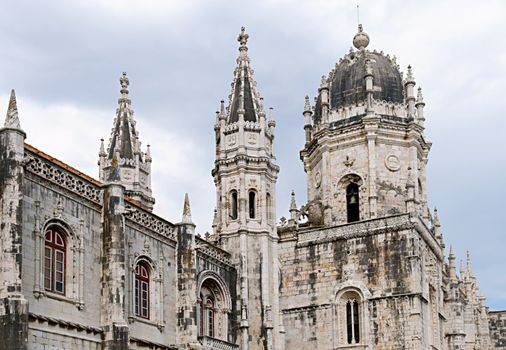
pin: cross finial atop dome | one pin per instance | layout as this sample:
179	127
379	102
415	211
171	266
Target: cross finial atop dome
361	39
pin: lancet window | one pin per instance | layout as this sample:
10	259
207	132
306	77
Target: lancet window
55	252
141	290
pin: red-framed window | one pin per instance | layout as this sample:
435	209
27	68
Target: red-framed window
141	296
55	251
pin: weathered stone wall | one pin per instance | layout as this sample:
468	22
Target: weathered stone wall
497	326
51	338
147	237
381	267
159	252
45	203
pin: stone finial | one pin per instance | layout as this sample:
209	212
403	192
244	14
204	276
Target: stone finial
435	220
272	122
361	39
469	270
462	271
243	39
293	204
409	77
307	105
148	154
12	118
222	108
187	215
451	265
419	97
102	153
368	68
124	84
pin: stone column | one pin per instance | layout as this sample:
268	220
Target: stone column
114	324
13	305
187	328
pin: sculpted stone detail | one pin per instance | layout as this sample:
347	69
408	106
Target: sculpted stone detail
392	162
150	221
64	179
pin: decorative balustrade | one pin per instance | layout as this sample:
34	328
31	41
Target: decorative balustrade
216	344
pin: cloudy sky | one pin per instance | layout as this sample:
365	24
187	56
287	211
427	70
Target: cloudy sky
65	57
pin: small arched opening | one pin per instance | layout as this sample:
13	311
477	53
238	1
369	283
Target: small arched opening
352	202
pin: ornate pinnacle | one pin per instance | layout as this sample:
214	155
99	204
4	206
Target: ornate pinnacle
410	78
187	215
419	97
148	154
307	105
124	85
272	122
435	221
468	265
293	204
102	149
12	118
243	39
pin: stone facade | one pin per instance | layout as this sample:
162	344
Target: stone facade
497	321
85	264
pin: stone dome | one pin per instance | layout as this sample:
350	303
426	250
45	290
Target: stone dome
347	83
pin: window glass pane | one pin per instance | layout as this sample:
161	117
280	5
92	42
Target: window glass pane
48	236
136	298
58	239
47	268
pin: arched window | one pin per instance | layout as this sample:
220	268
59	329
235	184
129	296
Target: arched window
352	202
233	205
55	251
141	290
210	316
352	322
350	314
251	197
207	313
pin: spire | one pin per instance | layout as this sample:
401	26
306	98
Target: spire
125	146
12	118
451	266
187	215
124	136
244	99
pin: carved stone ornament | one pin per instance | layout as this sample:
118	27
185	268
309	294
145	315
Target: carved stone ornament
317	179
349	161
392	162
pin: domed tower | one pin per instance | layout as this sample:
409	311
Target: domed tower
245	174
365	150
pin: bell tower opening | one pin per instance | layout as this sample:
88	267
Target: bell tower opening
233	205
352	202
251	198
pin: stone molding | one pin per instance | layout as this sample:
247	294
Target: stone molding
65	179
355	230
150	221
